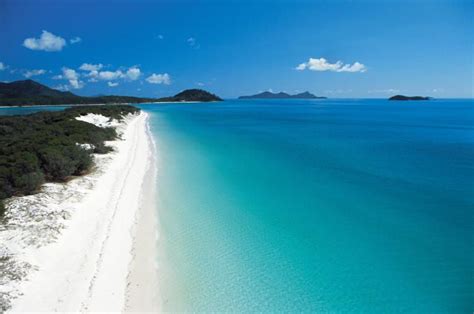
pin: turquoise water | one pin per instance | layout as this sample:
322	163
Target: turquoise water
11	111
359	206
323	206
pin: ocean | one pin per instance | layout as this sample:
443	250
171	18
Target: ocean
315	205
361	206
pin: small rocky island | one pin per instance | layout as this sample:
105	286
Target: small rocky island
403	97
282	95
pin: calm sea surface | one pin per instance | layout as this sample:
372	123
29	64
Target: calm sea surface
328	205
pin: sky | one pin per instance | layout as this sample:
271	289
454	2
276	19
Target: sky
339	49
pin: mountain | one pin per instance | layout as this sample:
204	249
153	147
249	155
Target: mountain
29	88
307	95
29	92
402	97
192	95
282	95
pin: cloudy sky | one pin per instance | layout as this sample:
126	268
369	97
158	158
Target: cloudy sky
336	48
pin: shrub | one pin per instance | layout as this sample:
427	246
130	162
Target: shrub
2	208
56	165
28	183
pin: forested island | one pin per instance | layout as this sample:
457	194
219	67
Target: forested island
49	147
191	95
282	95
29	93
403	97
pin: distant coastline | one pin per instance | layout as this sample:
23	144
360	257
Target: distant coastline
282	95
29	92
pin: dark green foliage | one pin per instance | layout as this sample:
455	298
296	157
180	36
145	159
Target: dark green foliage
114	112
29	92
192	95
402	97
45	146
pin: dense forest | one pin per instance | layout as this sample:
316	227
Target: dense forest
45	147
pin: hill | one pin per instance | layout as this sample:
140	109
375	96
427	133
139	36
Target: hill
192	95
29	93
282	95
403	97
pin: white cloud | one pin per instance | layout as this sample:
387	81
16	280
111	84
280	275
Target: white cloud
159	79
110	75
200	84
322	64
191	41
133	73
61	87
2	66
72	76
94	75
91	67
76	84
112	84
47	42
75	40
30	73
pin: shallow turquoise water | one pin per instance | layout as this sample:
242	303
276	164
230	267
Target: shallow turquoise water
322	206
327	206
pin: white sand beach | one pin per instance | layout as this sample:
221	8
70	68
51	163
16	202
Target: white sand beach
88	245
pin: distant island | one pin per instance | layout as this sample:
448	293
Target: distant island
403	97
29	92
192	95
282	95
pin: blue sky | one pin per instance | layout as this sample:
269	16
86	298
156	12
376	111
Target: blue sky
336	48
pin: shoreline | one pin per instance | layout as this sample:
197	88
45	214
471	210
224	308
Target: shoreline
142	293
79	255
110	104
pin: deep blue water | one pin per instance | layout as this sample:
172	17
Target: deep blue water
359	206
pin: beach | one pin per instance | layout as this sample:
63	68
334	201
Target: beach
81	246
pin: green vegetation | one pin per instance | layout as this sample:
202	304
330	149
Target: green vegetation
29	93
403	97
75	100
46	147
192	95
